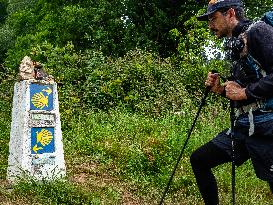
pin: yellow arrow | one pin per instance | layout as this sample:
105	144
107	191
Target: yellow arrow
48	90
36	148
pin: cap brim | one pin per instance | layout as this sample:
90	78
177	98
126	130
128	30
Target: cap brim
204	17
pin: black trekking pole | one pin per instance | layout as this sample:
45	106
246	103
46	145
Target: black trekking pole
232	120
202	103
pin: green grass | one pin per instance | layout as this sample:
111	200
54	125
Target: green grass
126	158
5	121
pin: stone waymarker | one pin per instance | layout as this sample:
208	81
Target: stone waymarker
35	148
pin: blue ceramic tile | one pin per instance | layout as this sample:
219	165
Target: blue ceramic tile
41	97
42	140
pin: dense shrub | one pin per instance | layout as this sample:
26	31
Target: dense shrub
139	81
198	52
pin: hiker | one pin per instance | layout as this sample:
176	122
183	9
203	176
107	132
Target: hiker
250	89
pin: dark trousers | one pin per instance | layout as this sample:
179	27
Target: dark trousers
202	160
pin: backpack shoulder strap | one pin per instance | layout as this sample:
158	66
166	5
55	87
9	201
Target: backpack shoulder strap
250	60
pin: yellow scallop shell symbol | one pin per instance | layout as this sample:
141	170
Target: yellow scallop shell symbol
39	100
44	137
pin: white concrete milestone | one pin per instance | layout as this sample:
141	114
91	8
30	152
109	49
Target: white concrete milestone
36	147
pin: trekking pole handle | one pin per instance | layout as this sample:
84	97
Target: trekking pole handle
207	90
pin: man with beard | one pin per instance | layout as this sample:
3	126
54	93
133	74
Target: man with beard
250	91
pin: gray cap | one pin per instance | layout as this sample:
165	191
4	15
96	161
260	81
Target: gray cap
215	5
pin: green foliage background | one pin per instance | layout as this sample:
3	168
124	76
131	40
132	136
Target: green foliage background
130	76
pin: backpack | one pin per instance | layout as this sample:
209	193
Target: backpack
253	63
268	17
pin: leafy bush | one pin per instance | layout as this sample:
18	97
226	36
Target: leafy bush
192	58
6	89
139	81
